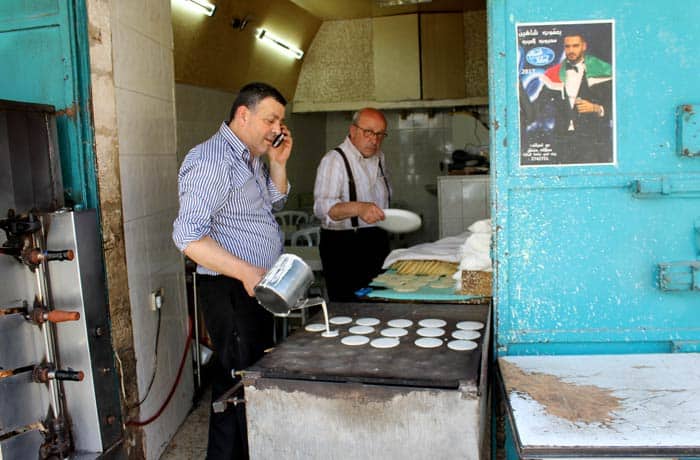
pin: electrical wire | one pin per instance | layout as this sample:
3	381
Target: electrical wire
175	384
155	365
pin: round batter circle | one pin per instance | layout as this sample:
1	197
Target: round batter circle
339	320
463	334
432	322
461	345
361	330
470	325
367	321
428	342
331	333
393	332
403	323
354	340
430	332
315	327
384	342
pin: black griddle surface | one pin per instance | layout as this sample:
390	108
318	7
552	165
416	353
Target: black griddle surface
309	356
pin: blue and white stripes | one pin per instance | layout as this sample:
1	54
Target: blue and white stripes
226	195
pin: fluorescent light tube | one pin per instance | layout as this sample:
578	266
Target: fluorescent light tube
280	45
201	6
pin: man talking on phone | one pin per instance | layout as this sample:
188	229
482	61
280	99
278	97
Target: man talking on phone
225	224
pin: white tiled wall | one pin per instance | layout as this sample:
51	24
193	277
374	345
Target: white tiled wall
145	102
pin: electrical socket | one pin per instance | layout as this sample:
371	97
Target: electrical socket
157	298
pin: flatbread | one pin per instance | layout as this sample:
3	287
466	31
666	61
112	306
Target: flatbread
385	342
432	322
462	334
393	332
361	330
367	321
315	327
428	342
430	332
461	345
339	320
400	323
470	325
354	340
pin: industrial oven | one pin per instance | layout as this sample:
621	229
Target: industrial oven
314	397
59	394
596	208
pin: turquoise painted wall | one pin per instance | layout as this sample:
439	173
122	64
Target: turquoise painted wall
44	56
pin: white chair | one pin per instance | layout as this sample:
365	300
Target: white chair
292	218
309	236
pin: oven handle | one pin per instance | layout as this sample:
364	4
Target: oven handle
228	398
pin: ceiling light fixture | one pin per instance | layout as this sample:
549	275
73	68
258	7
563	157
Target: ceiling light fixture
280	45
383	3
201	6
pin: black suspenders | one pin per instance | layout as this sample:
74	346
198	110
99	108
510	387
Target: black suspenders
353	192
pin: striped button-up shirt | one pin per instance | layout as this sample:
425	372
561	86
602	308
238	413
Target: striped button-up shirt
332	185
228	195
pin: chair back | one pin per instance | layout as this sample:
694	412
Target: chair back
309	236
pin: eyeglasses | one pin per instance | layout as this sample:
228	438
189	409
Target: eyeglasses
368	133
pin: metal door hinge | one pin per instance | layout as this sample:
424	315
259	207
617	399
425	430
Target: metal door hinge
687	131
679	276
664	186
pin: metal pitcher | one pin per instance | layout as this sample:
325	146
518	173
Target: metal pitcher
284	286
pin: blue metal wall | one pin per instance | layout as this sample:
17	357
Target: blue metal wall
578	248
44	59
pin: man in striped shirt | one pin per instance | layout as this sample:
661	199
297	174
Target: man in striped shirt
351	190
225	224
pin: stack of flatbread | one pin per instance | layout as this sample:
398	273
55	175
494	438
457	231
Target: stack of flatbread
425	267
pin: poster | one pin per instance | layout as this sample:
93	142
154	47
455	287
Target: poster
566	90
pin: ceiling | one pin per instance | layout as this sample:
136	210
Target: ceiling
354	9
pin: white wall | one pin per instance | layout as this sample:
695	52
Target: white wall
145	106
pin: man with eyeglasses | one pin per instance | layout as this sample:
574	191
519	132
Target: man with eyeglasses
352	189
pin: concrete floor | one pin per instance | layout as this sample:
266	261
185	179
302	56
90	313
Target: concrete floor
190	441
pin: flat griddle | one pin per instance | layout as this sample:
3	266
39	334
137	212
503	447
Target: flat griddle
309	356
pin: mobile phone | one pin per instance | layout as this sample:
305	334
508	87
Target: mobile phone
278	140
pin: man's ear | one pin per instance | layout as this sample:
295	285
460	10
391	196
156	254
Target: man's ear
242	114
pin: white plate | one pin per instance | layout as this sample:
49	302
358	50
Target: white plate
361	330
367	321
315	327
430	332
340	320
462	334
393	332
461	345
399	221
470	325
354	340
331	333
400	323
432	322
384	342
428	342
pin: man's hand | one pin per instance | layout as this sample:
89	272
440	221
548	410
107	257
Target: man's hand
370	212
584	106
251	278
281	154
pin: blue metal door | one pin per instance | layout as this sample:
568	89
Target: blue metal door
597	238
44	59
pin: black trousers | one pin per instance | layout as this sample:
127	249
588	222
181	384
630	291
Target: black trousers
351	258
240	330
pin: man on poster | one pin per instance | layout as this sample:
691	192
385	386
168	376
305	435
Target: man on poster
580	91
